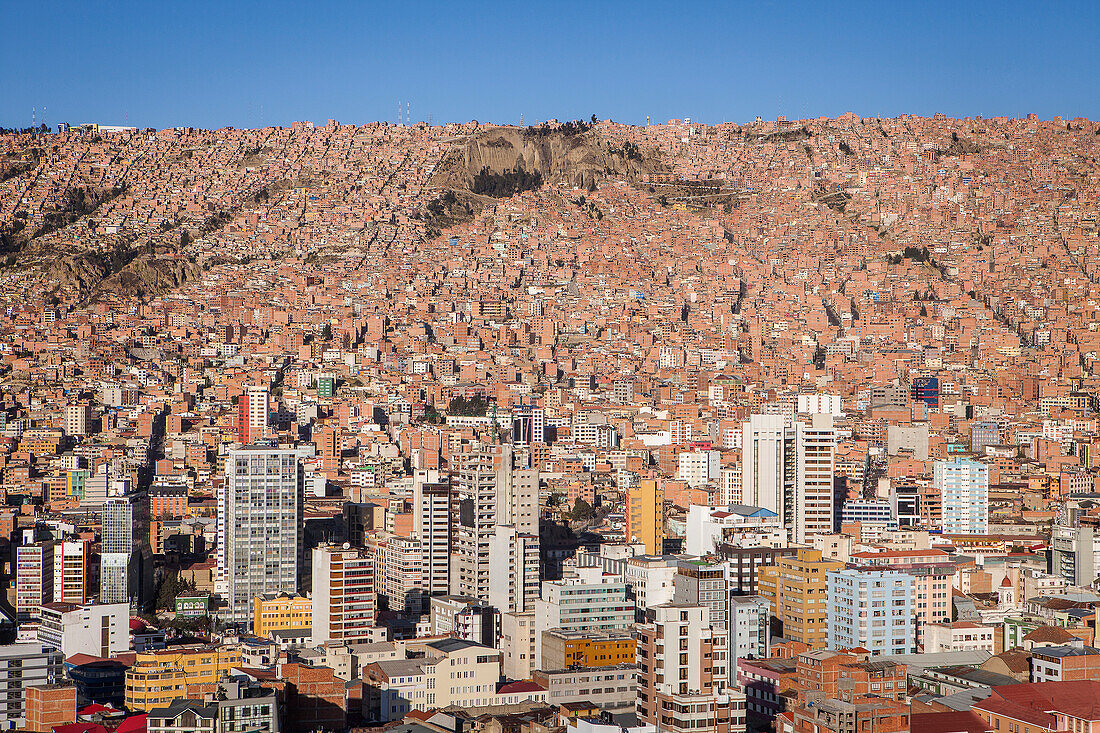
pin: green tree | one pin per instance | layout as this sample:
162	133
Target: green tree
581	509
326	332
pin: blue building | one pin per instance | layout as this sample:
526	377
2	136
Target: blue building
872	609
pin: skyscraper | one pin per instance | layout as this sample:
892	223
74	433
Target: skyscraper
252	413
431	506
489	492
789	470
815	450
963	486
34	575
122	577
343	594
645	515
763	464
259	526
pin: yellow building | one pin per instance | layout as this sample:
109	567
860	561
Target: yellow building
797	589
158	678
645	515
562	649
282	612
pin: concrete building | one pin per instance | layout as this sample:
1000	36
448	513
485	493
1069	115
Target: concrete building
517	641
645	515
815	450
958	636
97	630
489	491
698	467
686	688
872	609
591	601
469	619
343	595
613	689
964	487
23	666
259	526
796	589
34	575
749	628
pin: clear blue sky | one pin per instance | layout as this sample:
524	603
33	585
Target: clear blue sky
161	63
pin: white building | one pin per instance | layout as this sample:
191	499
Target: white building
699	467
101	630
34	574
259	526
819	404
960	636
23	665
963	486
707	527
590	601
749	629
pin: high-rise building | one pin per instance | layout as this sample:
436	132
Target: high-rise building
253	410
590	601
514	569
872	609
796	589
1074	554
259	526
764	464
528	424
34	575
489	491
123	575
431	507
683	675
815	448
749	629
343	595
70	578
789	470
645	515
698	467
963	485
76	419
23	666
699	582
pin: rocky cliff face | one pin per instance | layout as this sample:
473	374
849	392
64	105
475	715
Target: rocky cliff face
578	159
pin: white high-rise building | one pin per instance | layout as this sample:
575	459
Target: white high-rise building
431	506
488	492
514	569
764	464
964	491
815	450
76	419
34	575
749	629
259	526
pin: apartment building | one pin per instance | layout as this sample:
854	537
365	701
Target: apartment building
281	612
343	595
683	673
797	588
872	609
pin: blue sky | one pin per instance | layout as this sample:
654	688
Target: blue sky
210	64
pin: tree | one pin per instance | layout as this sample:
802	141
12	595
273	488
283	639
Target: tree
594	120
326	332
581	509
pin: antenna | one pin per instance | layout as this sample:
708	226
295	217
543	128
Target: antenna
399	113
33	113
408	117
